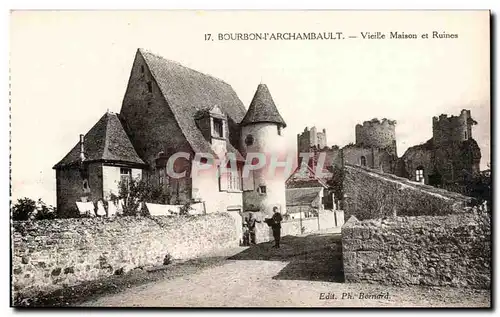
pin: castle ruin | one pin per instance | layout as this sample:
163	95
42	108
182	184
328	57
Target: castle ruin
449	160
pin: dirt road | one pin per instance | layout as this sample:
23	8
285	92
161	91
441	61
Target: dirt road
304	272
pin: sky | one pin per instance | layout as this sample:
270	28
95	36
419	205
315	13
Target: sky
68	68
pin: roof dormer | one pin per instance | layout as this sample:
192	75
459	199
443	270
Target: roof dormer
212	123
218	123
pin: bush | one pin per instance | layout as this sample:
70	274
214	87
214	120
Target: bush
337	183
44	211
168	259
480	189
135	193
23	209
186	208
28	209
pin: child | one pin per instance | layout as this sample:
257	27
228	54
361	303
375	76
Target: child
246	234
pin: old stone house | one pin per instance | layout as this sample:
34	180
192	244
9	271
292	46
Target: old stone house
96	164
169	109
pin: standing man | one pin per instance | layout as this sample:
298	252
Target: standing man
251	227
276	226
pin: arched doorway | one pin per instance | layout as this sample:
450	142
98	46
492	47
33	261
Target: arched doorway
363	161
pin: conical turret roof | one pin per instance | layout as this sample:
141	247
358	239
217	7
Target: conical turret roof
262	108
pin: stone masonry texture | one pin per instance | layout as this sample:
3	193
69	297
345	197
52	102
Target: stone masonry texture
371	195
51	254
452	250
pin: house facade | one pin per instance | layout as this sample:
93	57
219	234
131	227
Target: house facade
304	202
175	120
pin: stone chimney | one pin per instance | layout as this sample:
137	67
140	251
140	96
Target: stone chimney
82	148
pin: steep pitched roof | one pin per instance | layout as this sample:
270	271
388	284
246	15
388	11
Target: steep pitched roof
262	108
302	196
188	92
106	141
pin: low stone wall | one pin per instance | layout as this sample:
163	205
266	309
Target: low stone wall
453	250
327	219
339	218
294	227
50	254
371	194
238	220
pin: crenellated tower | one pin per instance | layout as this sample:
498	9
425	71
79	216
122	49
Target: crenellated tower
377	133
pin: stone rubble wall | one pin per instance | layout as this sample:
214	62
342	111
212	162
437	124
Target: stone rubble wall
371	194
51	254
452	250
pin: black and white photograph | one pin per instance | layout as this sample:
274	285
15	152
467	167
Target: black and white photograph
234	158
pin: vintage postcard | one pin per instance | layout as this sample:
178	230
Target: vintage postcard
250	159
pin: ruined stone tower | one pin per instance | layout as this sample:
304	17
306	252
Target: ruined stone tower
310	138
450	159
262	133
380	134
453	128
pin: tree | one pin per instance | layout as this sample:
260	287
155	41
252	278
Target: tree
43	211
336	183
480	188
134	193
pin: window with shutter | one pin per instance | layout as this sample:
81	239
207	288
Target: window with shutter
223	181
231	180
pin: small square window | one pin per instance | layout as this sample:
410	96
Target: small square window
262	189
249	140
125	171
